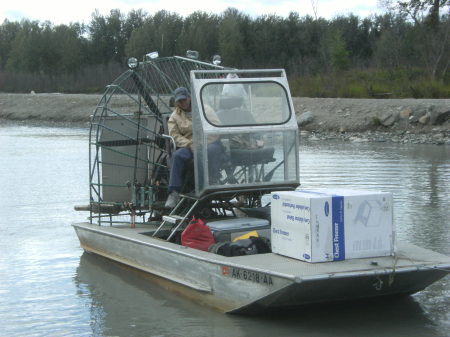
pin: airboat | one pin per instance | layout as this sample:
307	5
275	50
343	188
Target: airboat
129	164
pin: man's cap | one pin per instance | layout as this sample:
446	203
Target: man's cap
181	93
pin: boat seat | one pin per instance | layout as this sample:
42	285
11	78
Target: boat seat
247	165
257	212
232	112
235	116
230	102
246	157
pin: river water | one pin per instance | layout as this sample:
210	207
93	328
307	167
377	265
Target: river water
49	287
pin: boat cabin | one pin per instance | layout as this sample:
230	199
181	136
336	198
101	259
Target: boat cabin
250	114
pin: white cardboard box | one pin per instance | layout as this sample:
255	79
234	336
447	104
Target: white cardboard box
332	224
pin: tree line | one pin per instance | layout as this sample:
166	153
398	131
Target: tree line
404	52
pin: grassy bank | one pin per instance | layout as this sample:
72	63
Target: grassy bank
407	83
371	84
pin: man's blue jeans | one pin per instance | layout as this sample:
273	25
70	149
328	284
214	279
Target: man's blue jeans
182	155
179	159
216	158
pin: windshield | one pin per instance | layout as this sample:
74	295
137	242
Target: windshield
245	103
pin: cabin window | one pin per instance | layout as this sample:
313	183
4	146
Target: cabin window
245	103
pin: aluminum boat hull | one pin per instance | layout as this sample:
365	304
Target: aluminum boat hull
254	283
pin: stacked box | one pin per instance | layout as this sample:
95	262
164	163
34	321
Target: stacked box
332	224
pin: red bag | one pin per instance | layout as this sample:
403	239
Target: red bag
197	235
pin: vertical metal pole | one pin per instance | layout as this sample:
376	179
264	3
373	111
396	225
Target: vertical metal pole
133	219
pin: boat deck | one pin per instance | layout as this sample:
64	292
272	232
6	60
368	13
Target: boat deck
408	257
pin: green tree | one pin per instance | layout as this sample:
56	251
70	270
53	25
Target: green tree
107	38
26	48
8	32
339	55
313	46
293	44
266	45
200	32
419	10
135	19
232	38
357	36
68	46
396	46
432	32
158	33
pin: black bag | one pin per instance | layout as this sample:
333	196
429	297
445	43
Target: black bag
251	246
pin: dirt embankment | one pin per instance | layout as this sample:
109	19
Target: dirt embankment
70	108
396	120
399	120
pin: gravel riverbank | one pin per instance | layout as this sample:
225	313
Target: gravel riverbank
393	120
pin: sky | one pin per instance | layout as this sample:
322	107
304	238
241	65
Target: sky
64	12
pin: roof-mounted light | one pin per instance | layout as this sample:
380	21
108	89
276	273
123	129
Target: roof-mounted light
192	54
132	63
152	55
217	60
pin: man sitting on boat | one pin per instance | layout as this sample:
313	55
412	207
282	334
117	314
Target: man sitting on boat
180	129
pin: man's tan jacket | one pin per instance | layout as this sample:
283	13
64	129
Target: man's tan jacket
180	126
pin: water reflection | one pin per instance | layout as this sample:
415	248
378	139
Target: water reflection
124	303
